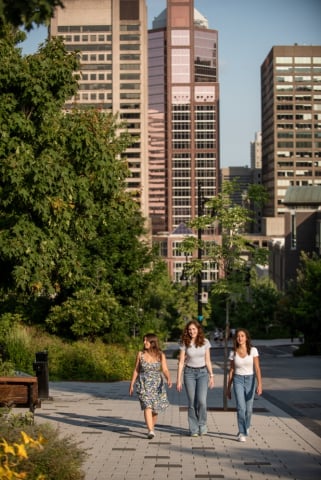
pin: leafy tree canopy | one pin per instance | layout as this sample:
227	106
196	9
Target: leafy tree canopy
229	219
27	12
301	306
71	249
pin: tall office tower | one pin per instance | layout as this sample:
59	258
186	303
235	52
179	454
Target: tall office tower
244	178
256	151
256	166
291	122
112	38
183	123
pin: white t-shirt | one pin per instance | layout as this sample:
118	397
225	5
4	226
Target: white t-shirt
195	356
244	366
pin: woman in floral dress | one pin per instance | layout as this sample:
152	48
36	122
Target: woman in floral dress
150	364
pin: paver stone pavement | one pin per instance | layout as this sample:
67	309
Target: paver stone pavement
109	425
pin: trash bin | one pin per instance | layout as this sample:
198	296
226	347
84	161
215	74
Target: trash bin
40	366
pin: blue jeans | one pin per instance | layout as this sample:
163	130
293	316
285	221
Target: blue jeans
196	385
244	390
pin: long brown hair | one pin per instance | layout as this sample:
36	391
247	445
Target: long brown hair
154	349
186	339
248	340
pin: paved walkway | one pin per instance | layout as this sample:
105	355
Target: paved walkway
110	427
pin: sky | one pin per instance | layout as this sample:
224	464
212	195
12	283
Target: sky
247	30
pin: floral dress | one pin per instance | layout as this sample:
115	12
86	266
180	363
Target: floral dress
150	386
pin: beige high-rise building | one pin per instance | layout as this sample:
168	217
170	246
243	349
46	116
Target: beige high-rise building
111	36
291	124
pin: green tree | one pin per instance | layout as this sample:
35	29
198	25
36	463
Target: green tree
234	254
256	308
157	305
263	302
33	90
300	308
71	238
26	13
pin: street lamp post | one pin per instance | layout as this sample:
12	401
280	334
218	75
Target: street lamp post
226	336
199	256
184	277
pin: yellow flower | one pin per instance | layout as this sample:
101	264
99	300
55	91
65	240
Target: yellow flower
7	474
6	447
21	450
26	439
31	442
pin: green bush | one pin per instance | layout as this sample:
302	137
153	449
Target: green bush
78	361
60	459
93	361
19	348
6	369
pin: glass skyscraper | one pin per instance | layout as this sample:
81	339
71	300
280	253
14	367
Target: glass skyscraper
183	124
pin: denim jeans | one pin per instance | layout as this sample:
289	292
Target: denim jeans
244	390
196	385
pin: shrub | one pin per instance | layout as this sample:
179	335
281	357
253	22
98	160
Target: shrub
6	369
94	361
59	459
12	457
19	348
80	360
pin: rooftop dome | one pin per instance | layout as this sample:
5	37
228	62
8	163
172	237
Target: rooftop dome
199	20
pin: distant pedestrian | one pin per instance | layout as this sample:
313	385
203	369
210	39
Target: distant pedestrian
147	375
245	375
195	361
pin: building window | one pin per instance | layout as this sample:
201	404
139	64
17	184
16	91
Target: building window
283	60
129	46
129	86
180	65
129	9
129	56
129	37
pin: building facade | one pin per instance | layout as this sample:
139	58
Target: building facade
183	125
111	36
291	122
302	233
245	177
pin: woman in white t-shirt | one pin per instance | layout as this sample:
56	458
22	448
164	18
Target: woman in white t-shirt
244	370
195	361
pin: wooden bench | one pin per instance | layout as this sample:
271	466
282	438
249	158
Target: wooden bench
19	392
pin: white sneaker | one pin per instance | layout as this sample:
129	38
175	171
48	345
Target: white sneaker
151	435
241	437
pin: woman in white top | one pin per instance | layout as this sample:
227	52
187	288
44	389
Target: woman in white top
244	370
195	360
